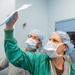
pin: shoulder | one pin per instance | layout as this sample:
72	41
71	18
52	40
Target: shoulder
40	56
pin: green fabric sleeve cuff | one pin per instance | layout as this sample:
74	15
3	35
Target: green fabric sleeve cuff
8	34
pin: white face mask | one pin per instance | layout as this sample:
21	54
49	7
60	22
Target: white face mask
31	44
51	48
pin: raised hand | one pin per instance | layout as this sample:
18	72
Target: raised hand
10	24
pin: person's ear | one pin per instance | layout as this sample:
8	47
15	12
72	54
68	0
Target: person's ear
65	47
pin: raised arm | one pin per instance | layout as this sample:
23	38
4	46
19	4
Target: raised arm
14	54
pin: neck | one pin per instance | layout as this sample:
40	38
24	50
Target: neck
34	50
58	62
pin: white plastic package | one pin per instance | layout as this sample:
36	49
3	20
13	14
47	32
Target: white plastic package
9	17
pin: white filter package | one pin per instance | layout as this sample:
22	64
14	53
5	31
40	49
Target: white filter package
10	16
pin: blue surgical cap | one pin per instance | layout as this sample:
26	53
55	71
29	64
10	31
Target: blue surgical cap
38	33
66	40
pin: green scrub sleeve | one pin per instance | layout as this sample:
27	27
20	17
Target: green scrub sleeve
15	55
9	34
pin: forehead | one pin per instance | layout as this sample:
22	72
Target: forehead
56	37
34	35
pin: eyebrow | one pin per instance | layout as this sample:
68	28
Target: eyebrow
54	39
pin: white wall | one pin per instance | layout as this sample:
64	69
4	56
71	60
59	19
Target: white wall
60	10
6	6
35	17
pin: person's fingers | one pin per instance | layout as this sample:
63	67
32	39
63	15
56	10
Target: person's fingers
16	15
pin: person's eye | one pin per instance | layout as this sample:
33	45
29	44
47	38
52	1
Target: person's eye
30	36
55	40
